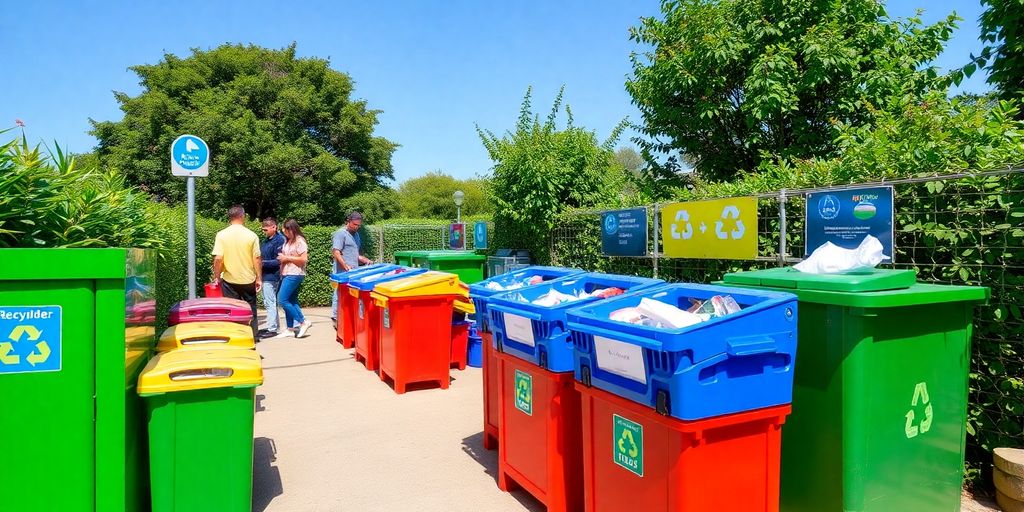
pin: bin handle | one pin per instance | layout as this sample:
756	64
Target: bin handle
750	346
211	312
200	340
503	309
202	373
615	335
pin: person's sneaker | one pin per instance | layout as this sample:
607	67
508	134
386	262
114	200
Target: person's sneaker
287	333
266	333
303	329
262	333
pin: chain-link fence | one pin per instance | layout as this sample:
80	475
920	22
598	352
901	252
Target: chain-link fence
387	239
963	229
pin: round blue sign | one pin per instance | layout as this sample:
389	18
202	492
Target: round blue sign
611	224
828	207
190	152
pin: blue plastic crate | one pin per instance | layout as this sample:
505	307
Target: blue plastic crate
739	362
481	294
538	333
376	268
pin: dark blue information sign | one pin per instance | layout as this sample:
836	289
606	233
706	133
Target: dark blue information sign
846	217
624	232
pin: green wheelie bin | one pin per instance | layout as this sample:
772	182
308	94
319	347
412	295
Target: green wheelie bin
201	407
468	265
405	258
880	391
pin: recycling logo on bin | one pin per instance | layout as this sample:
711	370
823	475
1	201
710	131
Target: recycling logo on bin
30	339
628	449
524	392
919	424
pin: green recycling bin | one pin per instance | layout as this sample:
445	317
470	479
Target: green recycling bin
76	327
405	258
468	265
880	391
201	406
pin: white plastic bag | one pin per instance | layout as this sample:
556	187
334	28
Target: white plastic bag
832	259
667	314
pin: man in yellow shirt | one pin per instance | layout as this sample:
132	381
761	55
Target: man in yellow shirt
236	262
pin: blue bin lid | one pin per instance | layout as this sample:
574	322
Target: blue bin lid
376	268
668	339
569	284
479	289
367	282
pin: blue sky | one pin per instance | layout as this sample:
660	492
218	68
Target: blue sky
434	67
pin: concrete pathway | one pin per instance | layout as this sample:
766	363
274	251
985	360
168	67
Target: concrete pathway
331	437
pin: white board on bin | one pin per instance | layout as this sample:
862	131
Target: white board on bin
622	359
519	329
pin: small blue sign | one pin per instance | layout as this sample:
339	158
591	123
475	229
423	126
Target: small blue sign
30	339
190	156
624	232
480	235
846	217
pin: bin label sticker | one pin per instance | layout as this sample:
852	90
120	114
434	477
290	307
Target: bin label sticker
628	438
387	318
622	359
919	424
362	309
519	329
30	339
524	392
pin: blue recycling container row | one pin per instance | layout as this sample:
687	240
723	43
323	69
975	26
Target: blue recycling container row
539	333
366	282
377	268
739	362
481	294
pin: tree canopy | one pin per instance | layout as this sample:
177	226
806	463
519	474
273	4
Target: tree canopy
430	196
1002	28
286	136
732	83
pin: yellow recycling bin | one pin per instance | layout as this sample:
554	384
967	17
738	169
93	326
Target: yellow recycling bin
201	406
206	335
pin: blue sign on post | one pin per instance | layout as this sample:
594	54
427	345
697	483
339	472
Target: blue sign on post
624	232
30	339
480	235
846	217
190	156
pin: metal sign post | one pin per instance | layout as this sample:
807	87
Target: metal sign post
190	157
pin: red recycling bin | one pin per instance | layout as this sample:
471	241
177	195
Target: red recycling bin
342	318
367	329
348	308
637	459
416	328
460	344
540	447
210	310
491	371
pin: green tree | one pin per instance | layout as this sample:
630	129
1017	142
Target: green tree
1002	27
430	196
730	83
286	136
376	205
540	171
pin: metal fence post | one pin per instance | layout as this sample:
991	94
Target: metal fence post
782	228
656	252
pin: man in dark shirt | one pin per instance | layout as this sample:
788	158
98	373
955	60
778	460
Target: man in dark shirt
269	250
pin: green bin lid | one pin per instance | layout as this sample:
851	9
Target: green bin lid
453	255
864	281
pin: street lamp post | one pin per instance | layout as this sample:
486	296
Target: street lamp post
458	196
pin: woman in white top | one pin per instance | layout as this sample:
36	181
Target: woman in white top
293	257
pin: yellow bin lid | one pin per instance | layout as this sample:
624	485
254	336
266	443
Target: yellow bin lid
189	370
465	306
206	335
421	285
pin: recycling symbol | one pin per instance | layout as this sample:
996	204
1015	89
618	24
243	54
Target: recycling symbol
682	216
523	390
913	428
40	353
627	446
730	212
611	224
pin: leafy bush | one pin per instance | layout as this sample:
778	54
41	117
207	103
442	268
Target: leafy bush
430	196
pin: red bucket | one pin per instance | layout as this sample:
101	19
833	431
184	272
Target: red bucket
212	290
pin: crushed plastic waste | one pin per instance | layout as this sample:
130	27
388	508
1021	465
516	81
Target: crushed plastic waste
554	297
515	285
654	313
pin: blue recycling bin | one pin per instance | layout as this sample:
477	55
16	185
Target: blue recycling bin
538	333
376	268
734	363
481	291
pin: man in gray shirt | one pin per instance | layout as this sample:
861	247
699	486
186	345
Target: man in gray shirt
346	248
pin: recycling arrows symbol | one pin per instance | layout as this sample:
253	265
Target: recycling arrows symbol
632	450
920	396
524	391
730	212
682	216
38	356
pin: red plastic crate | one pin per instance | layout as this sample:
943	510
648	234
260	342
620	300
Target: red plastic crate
416	340
540	447
460	344
637	459
367	331
491	370
348	309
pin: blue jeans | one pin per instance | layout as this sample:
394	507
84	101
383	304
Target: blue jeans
270	303
289	299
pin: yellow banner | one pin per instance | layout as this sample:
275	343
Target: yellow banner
718	229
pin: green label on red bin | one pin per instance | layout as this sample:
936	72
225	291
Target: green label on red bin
628	438
524	392
387	318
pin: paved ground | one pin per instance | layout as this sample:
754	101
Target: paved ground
331	437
